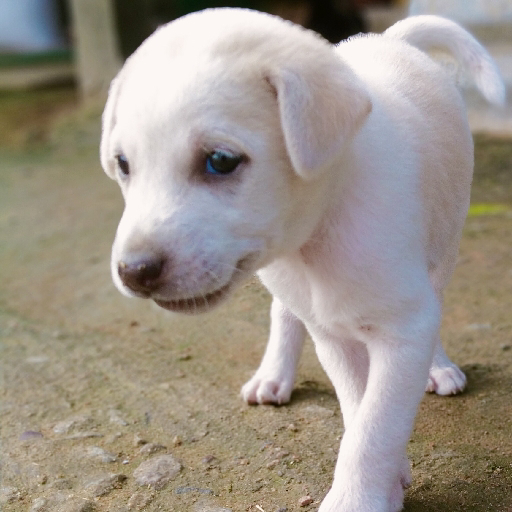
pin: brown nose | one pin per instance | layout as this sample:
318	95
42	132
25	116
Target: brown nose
141	273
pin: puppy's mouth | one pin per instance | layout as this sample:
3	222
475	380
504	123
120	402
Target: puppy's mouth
202	303
196	304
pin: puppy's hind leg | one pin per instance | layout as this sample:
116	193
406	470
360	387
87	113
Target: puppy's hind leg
445	377
273	381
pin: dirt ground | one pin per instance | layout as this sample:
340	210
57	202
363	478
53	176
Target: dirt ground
95	384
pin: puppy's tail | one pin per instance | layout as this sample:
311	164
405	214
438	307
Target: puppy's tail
429	32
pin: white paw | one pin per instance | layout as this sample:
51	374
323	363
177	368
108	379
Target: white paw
446	380
267	390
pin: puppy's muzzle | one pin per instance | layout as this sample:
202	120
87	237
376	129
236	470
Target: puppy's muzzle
141	272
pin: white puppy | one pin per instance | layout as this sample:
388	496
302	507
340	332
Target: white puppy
342	175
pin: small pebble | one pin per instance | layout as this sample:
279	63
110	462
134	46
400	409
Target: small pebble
83	435
505	347
77	504
305	501
74	423
62	502
114	437
266	445
150	448
106	484
140	500
30	434
157	472
95	452
116	417
209	460
138	440
177	441
39	505
292	427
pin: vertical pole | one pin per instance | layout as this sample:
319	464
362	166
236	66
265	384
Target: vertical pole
97	55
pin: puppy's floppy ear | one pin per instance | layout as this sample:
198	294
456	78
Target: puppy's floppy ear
322	104
108	123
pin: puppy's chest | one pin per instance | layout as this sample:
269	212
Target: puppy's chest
315	298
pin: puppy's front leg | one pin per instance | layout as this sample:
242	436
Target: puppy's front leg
372	469
273	381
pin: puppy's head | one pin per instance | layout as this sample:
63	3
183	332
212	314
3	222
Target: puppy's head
220	131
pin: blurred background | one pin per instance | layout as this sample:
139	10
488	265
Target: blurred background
82	43
40	37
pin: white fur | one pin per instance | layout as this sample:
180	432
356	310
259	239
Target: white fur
349	203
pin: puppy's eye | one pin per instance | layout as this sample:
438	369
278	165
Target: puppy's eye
122	164
222	161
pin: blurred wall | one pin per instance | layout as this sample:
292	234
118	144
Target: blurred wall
29	25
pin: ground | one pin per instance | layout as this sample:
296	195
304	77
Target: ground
95	384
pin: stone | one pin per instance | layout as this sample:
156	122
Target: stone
62	502
305	501
157	472
73	424
95	452
140	500
151	448
39	505
105	484
116	417
29	435
9	495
